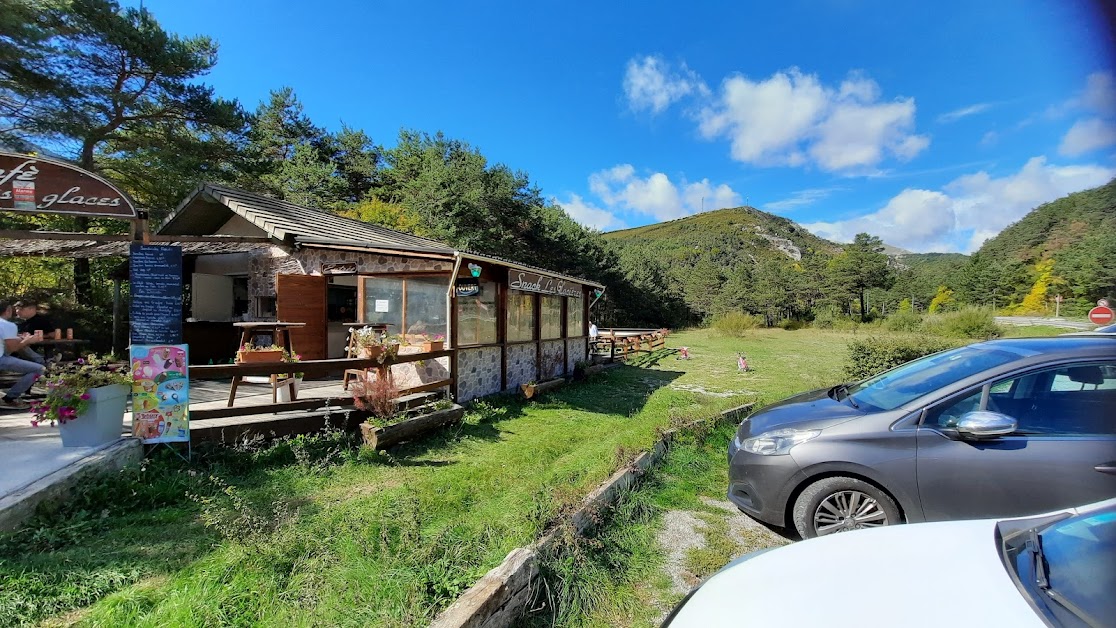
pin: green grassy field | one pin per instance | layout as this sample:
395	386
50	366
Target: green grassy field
317	531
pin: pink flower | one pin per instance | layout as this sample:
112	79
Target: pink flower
85	396
34	423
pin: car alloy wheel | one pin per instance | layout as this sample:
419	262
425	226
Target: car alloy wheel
839	504
848	510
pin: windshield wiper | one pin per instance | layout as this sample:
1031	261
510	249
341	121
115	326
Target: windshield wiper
1042	579
837	390
1038	561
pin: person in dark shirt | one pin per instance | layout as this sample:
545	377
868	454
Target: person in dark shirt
33	321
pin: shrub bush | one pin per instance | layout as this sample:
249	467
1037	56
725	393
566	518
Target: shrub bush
831	319
870	356
970	322
736	323
903	320
791	324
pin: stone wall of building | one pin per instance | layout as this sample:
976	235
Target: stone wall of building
577	350
265	265
411	374
478	372
520	361
552	363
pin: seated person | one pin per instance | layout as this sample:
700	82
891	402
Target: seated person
12	342
34	321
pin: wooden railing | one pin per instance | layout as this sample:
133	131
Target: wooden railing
311	368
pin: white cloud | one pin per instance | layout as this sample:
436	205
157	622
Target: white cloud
793	119
1099	130
651	84
621	190
968	210
964	112
588	214
800	199
1088	135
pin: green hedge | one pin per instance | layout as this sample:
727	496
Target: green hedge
870	356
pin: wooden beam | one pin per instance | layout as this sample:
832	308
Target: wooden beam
334	403
309	367
16	234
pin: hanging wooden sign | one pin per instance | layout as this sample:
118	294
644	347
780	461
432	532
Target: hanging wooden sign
534	282
47	186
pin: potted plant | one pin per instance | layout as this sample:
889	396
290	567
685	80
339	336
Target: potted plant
376	344
433	343
253	353
87	401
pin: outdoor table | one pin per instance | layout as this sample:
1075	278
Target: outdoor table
276	330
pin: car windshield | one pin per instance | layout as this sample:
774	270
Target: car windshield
906	383
1069	565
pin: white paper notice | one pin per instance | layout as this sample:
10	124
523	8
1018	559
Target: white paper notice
381	305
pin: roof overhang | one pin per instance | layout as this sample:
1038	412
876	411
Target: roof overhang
534	269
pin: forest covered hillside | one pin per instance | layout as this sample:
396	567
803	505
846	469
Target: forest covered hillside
747	260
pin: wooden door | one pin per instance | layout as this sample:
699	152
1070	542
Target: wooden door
302	299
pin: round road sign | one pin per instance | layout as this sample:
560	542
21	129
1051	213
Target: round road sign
1102	303
1101	315
1058	298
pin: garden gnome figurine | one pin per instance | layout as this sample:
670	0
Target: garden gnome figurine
683	353
741	363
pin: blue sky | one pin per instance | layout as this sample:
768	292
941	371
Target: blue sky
931	124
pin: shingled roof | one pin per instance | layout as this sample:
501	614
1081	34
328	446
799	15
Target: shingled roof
207	208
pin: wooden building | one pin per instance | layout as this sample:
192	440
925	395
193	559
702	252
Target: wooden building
508	323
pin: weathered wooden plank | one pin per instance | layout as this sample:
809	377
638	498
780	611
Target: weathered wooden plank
384	437
312	368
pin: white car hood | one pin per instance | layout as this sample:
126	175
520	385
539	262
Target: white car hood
929	574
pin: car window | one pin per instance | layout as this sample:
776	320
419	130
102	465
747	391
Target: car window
906	383
1068	400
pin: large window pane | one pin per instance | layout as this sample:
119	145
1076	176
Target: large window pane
383	302
476	317
426	306
575	324
551	317
521	316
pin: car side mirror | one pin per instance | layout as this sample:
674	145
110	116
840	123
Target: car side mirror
981	424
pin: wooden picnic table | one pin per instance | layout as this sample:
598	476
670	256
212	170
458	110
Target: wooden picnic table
52	345
250	331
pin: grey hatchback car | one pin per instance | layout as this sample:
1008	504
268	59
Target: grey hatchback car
1002	428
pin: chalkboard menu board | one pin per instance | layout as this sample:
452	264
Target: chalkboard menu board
156	276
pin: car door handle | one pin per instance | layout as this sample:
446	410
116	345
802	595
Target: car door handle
1107	467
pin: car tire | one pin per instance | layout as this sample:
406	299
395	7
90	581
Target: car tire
843	497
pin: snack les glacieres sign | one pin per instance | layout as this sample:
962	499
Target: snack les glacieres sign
46	186
534	282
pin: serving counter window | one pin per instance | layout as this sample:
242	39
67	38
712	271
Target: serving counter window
383	303
476	317
414	305
575	321
551	317
425	311
521	316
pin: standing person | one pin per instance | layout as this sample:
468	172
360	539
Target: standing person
593	332
34	321
14	342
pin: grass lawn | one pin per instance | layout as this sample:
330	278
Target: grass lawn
317	531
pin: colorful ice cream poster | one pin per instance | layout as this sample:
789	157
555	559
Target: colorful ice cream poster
160	393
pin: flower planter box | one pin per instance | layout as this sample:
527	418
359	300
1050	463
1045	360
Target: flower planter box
371	352
103	419
384	437
243	357
532	390
428	347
